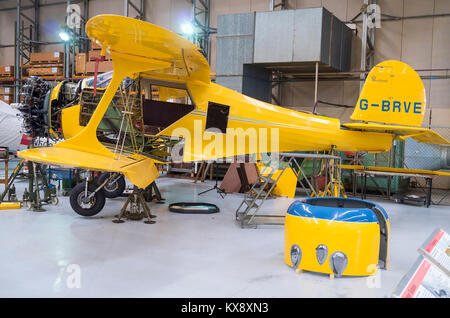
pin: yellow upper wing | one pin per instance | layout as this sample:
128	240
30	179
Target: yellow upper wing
142	40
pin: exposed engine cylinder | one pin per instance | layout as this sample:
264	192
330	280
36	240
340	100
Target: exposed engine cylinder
33	112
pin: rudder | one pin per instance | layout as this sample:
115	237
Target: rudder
394	94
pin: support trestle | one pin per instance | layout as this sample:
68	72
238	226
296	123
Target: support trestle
31	196
135	208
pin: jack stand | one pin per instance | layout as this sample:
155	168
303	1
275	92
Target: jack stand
335	187
26	198
149	196
12	194
34	188
138	208
11	180
31	196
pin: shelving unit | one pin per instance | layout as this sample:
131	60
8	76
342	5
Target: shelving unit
27	40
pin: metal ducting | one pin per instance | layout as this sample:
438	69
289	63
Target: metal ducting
251	45
303	36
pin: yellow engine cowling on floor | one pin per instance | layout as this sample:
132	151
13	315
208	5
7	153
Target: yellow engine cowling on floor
337	236
286	183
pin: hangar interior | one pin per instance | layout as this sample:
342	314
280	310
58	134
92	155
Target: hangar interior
309	56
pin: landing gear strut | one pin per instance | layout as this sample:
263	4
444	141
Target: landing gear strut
88	200
85	200
115	186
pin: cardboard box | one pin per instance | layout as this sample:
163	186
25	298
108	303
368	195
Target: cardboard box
6	70
7	98
95	54
6	90
102	67
80	63
26	67
90	67
46	57
42	71
105	66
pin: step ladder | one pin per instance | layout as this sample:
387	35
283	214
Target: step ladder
261	190
256	196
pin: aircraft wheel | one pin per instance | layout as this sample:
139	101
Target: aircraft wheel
112	189
83	206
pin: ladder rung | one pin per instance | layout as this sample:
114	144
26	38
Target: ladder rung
266	178
251	203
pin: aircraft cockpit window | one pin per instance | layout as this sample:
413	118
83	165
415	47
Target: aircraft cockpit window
163	105
217	117
103	81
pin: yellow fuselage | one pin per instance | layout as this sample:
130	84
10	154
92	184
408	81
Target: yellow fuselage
298	131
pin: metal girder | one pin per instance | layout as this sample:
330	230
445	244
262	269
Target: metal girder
140	10
364	45
18	51
201	19
282	5
39	5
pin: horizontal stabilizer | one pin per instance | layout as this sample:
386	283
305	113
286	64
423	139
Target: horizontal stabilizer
424	135
396	170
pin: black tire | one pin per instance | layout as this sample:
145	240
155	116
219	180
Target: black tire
93	207
112	190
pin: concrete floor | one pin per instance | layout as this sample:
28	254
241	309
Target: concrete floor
50	254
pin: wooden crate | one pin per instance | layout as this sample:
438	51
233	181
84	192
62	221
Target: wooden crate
80	63
90	67
46	57
46	71
7	98
6	70
103	67
6	90
27	67
95	54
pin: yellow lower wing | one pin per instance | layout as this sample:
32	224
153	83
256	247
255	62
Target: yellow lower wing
140	170
396	170
420	134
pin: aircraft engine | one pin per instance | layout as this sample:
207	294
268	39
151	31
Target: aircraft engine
32	109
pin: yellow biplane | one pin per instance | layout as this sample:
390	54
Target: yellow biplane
171	95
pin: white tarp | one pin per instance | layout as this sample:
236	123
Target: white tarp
10	128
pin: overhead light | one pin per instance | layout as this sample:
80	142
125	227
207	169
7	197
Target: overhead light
64	36
187	28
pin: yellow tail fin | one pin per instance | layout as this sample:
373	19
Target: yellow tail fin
394	94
